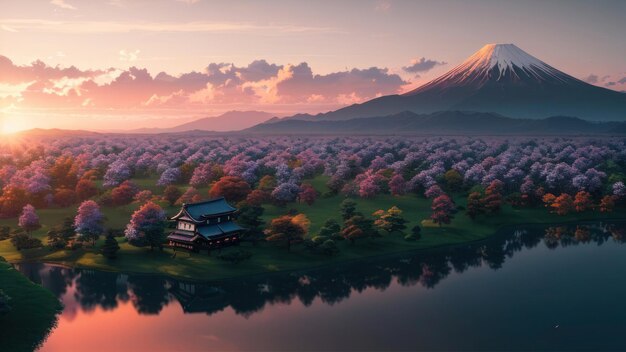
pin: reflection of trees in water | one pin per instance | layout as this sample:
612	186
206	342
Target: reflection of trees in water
149	294
99	289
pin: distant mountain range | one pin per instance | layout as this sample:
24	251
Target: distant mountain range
229	121
442	123
502	79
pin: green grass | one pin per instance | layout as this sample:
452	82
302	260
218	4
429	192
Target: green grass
270	257
33	312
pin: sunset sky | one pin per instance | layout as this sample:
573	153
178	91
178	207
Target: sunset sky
121	64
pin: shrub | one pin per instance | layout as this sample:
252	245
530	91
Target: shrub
5	232
110	248
25	241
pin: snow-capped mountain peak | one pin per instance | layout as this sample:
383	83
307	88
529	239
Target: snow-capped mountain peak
498	63
505	56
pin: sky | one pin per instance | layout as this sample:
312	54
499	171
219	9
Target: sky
122	64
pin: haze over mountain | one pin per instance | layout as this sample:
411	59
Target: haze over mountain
499	78
442	123
228	121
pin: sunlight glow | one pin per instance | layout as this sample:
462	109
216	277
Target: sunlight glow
11	123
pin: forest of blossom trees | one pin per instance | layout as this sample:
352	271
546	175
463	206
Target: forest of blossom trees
563	174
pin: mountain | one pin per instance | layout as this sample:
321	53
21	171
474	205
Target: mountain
445	122
229	121
499	78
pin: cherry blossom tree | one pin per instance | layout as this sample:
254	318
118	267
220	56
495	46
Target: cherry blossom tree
88	221
146	226
29	220
443	209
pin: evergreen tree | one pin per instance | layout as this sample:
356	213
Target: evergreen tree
110	247
250	218
348	209
330	229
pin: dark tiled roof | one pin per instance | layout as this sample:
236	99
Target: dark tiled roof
216	230
230	226
208	208
210	230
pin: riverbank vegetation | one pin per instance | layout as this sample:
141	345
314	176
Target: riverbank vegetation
28	312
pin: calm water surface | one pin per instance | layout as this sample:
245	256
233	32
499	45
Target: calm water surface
526	288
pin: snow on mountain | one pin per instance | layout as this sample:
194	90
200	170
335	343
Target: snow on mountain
503	63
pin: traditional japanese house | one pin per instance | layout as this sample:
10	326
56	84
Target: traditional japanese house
205	225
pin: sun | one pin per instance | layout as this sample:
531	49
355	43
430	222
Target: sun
11	123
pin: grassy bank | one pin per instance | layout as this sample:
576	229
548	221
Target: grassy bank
270	257
33	311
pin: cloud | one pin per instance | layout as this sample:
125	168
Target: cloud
129	55
615	81
422	65
87	27
188	2
593	79
62	4
39	71
256	85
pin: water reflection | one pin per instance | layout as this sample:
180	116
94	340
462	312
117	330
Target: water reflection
150	294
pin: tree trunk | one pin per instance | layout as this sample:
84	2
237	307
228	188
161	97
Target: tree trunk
288	245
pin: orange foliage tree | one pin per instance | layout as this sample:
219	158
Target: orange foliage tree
563	204
233	188
583	201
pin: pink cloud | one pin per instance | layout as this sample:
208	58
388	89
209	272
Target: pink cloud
259	84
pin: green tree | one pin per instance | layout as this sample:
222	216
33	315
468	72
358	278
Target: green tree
250	218
23	240
59	236
5	232
110	247
155	235
348	209
330	229
329	247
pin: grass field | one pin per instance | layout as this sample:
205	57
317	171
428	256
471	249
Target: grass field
33	312
271	257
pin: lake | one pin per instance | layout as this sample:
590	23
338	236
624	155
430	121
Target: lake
528	287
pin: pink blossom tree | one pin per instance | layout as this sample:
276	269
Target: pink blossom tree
397	185
88	221
29	220
146	226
